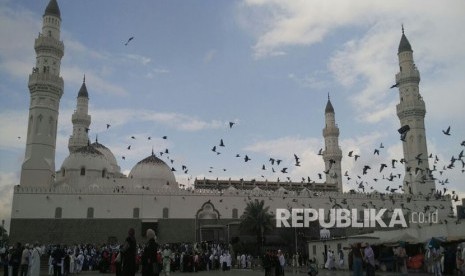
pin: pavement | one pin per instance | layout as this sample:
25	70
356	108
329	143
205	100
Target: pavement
249	272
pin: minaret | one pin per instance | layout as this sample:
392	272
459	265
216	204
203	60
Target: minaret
411	112
81	120
46	88
332	154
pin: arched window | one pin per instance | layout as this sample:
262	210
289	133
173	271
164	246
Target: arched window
165	213
58	212
90	212
234	213
83	171
135	213
104	173
63	172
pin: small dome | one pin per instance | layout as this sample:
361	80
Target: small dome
108	155
155	169
53	9
86	157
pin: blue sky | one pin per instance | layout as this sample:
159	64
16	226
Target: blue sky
194	66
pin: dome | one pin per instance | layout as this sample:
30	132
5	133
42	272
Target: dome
153	168
108	155
86	157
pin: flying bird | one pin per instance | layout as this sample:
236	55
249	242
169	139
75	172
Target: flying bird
231	124
108	126
395	85
447	131
246	158
221	143
129	40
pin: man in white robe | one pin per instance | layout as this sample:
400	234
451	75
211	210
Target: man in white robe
34	264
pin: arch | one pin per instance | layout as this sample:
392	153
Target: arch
90	212
58	212
166	213
208	211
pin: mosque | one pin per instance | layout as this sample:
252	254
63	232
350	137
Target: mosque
89	199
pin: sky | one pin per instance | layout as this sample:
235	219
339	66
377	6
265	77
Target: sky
266	65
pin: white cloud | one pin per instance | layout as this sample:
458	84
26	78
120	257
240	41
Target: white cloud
7	183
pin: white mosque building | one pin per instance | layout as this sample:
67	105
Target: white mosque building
89	199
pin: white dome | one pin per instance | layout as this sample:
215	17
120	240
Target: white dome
154	169
108	155
86	157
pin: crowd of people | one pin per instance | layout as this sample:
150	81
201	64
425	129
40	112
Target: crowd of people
149	258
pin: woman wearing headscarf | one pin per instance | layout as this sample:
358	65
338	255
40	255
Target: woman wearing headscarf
129	252
150	266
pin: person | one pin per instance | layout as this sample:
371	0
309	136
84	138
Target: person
25	260
228	261
357	259
282	262
166	255
341	259
330	260
369	258
15	259
79	262
150	265
268	263
57	260
401	255
35	260
129	254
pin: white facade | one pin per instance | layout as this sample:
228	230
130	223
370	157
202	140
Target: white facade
89	183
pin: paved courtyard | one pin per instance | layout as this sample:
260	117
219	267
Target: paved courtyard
247	272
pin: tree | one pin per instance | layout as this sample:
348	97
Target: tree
257	220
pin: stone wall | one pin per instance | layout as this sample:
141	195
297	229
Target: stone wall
69	231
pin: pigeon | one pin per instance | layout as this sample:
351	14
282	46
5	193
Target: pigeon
320	152
129	40
447	131
231	124
246	158
221	143
108	126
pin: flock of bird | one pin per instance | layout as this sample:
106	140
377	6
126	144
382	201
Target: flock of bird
363	181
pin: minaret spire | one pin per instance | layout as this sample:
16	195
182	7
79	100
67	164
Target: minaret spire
46	88
332	155
81	119
411	112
